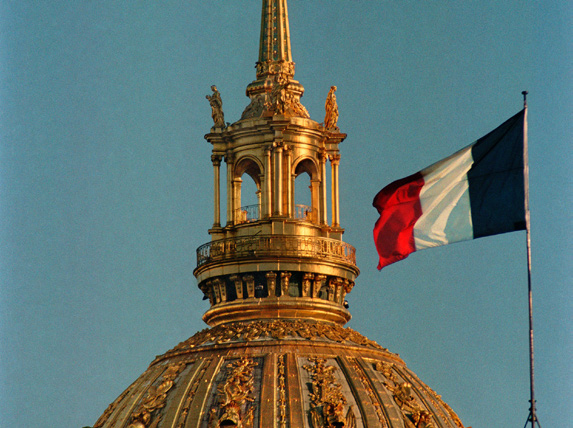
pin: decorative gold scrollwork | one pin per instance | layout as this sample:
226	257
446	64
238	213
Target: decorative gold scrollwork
235	397
413	413
146	416
327	402
270	245
273	329
282	399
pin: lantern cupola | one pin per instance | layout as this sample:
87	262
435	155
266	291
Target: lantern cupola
276	257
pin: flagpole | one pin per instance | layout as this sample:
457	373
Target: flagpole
532	410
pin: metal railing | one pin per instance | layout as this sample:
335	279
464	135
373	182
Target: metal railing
247	214
251	213
276	246
305	213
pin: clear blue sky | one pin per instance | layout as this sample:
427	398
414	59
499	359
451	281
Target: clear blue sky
106	188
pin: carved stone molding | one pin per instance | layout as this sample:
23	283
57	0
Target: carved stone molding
275	67
238	285
255	107
334	158
332	287
218	284
307	284
285	283
229	288
271	283
318	282
230	157
250	281
280	94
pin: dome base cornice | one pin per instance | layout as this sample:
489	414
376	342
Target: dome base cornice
277	308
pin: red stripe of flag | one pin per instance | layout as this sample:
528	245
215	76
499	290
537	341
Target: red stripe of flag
399	207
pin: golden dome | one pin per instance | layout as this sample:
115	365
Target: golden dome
278	373
276	274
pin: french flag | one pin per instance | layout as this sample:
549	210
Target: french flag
478	191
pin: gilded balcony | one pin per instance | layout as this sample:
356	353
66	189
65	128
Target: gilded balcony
263	246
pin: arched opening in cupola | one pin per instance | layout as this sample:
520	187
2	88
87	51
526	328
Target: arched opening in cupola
247	191
306	187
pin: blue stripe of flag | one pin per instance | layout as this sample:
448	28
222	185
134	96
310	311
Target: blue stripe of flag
496	180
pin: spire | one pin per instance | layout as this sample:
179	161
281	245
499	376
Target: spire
274	48
275	92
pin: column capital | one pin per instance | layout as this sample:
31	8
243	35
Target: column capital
229	157
334	158
216	159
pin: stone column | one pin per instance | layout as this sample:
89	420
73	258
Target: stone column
229	159
289	203
323	203
259	206
268	195
334	162
237	214
278	176
217	190
315	200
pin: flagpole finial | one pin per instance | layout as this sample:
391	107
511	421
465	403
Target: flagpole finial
524	93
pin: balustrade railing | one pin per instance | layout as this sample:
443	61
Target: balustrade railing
247	214
305	213
273	246
250	213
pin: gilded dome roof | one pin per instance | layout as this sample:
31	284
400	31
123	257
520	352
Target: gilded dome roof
278	373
